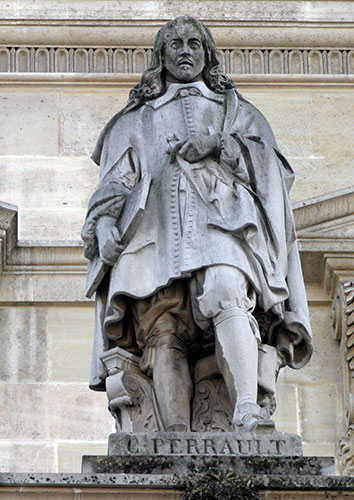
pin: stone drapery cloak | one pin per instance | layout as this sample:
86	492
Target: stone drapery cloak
228	210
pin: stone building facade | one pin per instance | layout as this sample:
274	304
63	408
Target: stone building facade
65	69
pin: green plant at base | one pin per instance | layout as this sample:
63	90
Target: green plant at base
217	485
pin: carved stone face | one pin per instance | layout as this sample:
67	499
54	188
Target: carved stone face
183	56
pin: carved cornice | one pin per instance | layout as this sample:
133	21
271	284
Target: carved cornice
237	23
128	33
127	80
326	223
115	59
325	231
309	214
35	271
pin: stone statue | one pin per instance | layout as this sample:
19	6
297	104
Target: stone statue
191	239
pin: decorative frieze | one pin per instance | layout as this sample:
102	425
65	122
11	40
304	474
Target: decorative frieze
135	60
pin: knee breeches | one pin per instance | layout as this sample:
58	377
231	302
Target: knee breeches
181	315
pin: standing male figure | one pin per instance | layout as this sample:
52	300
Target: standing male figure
216	238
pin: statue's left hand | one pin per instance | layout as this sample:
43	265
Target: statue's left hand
199	147
108	240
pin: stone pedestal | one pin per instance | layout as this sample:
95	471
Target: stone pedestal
263	442
264	451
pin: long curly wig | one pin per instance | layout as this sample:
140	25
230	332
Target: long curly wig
152	82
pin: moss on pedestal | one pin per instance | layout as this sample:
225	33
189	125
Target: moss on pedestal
217	485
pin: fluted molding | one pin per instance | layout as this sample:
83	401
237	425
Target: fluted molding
119	59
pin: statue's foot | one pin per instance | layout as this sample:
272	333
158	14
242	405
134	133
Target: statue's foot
177	428
249	416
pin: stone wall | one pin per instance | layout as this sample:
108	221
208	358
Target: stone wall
59	85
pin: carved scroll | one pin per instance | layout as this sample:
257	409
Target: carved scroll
343	331
212	411
346	453
129	392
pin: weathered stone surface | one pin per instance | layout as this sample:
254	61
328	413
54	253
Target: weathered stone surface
316	295
319	449
315	176
54	182
32	457
52	411
64	287
70	342
23	354
83	115
319	427
286	416
60	188
262	442
70	454
195	463
48	224
293	139
332	120
29	124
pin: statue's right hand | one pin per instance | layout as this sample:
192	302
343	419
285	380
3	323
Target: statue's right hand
109	239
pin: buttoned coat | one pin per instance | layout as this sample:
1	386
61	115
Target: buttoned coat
229	209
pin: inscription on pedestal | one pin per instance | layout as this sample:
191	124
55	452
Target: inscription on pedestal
191	443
